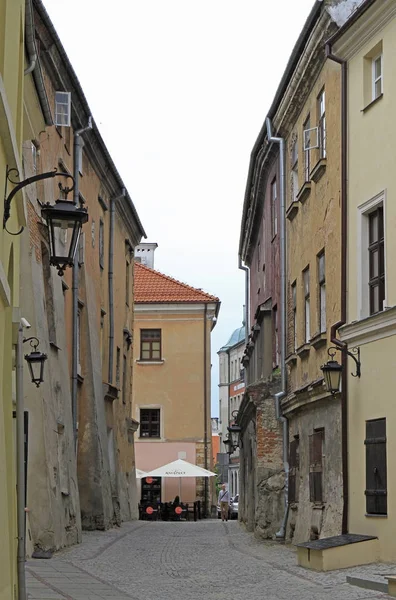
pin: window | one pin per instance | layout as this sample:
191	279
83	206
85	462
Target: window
294	308
124	379
62	109
376	475
322	124
377	76
101	244
127	285
316	466
322	292
48	295
294	466
79	323
150	344
307	306
307	153
376	260
150	422
294	165
274	209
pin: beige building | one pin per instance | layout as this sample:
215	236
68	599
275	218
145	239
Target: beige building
81	458
368	45
171	391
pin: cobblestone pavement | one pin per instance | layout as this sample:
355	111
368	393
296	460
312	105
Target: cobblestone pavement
207	560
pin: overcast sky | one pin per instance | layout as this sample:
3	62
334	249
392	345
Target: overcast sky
179	90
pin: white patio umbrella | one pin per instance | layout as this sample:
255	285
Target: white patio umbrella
180	468
140	474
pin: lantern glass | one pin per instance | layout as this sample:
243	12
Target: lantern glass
64	220
332	371
235	431
36	362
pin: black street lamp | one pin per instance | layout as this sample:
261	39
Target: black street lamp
332	370
35	361
65	221
234	431
64	218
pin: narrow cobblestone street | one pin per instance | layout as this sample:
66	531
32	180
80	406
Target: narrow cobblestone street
186	561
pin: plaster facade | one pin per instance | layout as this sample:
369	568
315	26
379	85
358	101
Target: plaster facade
21	116
371	187
87	481
177	385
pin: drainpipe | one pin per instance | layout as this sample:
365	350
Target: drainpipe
335	327
278	397
111	282
20	435
247	300
30	40
77	149
206	489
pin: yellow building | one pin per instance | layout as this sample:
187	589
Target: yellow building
22	111
368	45
172	364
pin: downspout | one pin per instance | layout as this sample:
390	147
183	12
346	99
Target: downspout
111	282
30	39
205	409
334	340
20	443
278	397
77	148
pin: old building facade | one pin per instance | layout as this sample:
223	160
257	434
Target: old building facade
24	112
171	394
367	44
231	390
81	457
296	440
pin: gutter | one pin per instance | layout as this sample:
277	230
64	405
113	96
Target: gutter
281	534
111	283
34	64
344	232
77	148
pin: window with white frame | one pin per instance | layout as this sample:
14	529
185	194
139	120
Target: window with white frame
322	292
274	209
294	165
376	249
294	309
307	144
372	256
322	124
377	76
307	305
62	109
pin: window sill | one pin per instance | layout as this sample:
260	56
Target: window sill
149	439
303	350
319	340
319	170
371	103
292	210
304	192
291	359
54	346
318	505
373	516
150	362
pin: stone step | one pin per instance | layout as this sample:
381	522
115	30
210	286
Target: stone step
379	584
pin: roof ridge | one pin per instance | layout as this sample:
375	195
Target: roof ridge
190	288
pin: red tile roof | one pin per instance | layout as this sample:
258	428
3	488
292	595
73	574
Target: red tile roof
153	286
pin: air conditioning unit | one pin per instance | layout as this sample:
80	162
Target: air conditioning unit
311	138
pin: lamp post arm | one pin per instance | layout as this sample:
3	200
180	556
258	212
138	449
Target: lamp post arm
355	353
18	186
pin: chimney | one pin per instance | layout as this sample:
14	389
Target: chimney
144	253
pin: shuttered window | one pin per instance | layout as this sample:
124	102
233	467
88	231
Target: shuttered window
294	463
316	441
376	485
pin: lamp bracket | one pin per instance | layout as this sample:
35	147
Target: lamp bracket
10	174
34	342
354	353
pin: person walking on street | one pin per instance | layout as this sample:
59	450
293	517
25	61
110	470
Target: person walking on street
224	501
